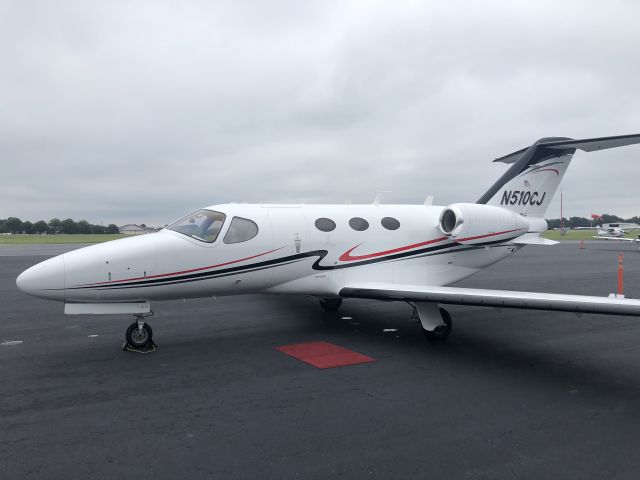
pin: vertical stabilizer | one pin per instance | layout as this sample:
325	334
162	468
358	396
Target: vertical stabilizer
536	172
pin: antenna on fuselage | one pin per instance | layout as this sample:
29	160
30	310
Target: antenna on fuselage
376	201
428	200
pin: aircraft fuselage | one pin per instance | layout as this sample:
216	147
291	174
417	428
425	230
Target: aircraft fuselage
288	254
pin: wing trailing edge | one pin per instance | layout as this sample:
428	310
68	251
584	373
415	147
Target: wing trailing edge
494	298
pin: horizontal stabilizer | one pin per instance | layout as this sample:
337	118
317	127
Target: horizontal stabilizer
587	145
494	298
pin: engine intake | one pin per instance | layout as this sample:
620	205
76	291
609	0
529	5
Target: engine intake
469	223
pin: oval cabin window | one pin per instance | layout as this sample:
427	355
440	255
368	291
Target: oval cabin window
325	224
359	224
390	223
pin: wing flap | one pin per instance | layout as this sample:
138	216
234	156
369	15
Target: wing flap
494	298
533	239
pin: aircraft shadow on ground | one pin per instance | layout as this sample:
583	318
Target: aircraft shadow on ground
477	344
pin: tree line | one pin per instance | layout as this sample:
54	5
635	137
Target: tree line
53	226
574	222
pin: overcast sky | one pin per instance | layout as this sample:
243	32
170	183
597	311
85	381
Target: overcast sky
140	111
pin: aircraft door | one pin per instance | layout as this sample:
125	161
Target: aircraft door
290	235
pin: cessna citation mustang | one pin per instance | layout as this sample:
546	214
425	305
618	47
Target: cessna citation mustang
386	252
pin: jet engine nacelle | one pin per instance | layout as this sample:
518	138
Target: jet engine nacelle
470	223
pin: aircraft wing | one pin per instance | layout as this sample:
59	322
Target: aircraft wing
494	298
619	239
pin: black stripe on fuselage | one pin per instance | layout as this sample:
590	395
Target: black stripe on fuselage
285	261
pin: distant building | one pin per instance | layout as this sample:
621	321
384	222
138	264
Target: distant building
622	225
132	229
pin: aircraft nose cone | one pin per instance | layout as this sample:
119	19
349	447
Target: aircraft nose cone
44	280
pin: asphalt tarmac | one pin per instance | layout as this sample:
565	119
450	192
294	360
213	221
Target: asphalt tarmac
511	394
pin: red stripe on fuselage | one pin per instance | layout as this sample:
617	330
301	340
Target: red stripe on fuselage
183	271
487	235
347	257
557	172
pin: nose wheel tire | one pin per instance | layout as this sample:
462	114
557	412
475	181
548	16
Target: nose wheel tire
441	332
330	304
139	337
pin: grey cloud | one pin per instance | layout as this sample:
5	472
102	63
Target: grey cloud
140	111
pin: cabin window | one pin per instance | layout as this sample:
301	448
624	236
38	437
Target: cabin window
359	224
325	224
390	223
203	225
240	230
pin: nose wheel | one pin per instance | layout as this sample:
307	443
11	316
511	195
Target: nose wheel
139	336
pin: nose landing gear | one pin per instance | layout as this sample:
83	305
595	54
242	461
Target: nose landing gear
139	336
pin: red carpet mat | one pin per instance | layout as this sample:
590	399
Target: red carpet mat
324	354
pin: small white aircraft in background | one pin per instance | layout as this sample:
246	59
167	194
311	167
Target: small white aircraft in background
386	252
618	238
611	232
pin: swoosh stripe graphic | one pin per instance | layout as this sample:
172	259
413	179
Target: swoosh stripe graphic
557	172
347	257
535	168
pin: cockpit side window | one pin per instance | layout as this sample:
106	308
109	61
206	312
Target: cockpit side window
240	230
203	225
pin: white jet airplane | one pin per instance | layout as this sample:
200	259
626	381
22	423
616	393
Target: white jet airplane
387	252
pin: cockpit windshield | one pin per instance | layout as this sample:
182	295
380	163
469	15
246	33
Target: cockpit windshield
203	225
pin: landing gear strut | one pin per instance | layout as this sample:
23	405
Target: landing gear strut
330	304
139	335
436	322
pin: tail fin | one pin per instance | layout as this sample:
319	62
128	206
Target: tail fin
536	171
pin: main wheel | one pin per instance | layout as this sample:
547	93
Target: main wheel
330	304
441	331
139	338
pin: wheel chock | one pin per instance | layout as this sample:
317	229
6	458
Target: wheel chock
127	347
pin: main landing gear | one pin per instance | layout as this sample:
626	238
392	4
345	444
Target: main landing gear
435	321
330	304
139	336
